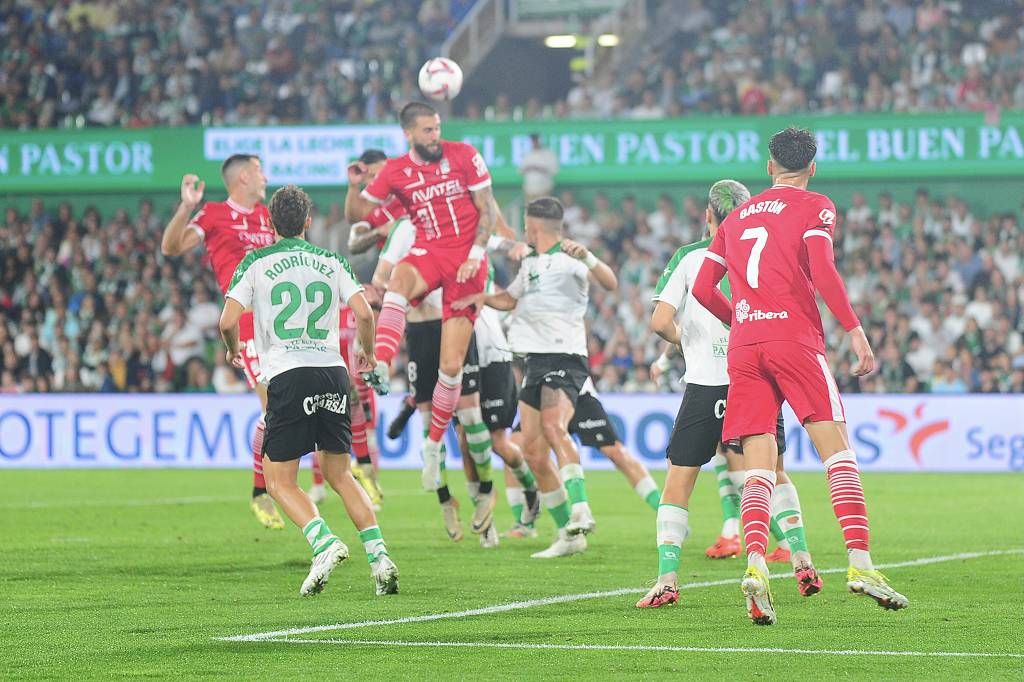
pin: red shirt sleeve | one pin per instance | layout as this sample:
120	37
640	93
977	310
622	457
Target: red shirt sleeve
707	293
822	262
380	189
475	168
204	221
712	270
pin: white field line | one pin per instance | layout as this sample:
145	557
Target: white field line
114	503
626	647
566	598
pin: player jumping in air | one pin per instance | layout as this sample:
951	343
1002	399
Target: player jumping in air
231	229
777	250
697	433
445	188
295	291
549	295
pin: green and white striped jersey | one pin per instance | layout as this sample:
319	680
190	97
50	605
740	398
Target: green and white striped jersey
296	291
705	339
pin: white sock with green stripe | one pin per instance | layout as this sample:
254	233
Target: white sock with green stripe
516	502
673	526
572	477
473	488
479	440
318	535
728	495
524	476
557	504
787	515
648	491
373	543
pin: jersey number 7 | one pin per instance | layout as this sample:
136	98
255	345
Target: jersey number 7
760	235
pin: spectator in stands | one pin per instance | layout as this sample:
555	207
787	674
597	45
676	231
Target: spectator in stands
538	168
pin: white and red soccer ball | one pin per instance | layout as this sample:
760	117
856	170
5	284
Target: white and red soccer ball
440	79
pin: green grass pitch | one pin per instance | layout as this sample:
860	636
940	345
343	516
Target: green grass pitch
110	574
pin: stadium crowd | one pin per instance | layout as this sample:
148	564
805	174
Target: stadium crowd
87	304
272	61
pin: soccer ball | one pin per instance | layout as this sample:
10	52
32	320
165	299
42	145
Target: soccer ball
440	79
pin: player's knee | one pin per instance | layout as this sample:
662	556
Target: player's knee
451	367
552	428
615	453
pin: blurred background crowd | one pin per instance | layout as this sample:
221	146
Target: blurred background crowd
87	302
261	62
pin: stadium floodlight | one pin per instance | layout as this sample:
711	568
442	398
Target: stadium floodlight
607	40
560	41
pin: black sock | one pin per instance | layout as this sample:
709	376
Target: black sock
443	495
486	487
364	459
256	492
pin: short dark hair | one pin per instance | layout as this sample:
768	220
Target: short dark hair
547	208
793	148
289	208
413	110
235	160
370	156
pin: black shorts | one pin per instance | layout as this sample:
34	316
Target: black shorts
591	423
553	370
697	431
423	343
498	395
307	410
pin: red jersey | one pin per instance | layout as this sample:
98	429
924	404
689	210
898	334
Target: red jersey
382	215
436	195
773	265
230	232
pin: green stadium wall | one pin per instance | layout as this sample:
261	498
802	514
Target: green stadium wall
964	154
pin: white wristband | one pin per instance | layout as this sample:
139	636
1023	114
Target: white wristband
663	363
477	252
590	260
494	242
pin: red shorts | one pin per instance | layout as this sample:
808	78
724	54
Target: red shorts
247	339
438	268
762	375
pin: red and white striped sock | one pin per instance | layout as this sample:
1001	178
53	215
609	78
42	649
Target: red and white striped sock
359	434
848	499
368	401
446	394
390	326
755	509
318	475
257	456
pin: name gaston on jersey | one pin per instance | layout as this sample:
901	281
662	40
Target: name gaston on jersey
297	261
774	206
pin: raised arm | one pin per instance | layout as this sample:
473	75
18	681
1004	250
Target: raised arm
357	206
599	270
177	238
